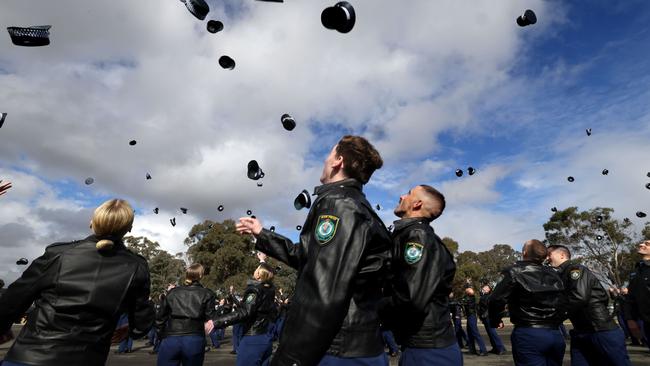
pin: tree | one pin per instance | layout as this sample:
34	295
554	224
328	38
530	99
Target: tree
604	244
229	258
452	246
164	268
477	269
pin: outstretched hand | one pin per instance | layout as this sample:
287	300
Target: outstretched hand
4	187
249	225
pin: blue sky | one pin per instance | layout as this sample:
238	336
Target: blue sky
433	93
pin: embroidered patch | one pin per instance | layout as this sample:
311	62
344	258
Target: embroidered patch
250	298
575	274
326	228
413	252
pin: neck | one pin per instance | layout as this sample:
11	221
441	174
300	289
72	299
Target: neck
646	257
339	176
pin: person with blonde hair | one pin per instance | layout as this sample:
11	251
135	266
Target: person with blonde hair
180	322
257	314
79	290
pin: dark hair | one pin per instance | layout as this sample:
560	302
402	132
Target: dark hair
360	158
438	197
561	248
2	283
535	251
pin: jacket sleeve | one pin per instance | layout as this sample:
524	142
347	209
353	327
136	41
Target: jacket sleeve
630	309
141	310
498	299
25	290
416	283
247	308
162	315
325	288
210	305
279	247
578	287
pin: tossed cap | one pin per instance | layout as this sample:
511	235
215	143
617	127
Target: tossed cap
340	17
184	210
3	115
34	36
155	210
220	208
570	179
459	173
288	122
132	142
89	181
605	172
214	26
22	262
198	8
527	18
226	62
172	221
303	200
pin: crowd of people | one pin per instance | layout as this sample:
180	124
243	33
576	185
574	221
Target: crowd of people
359	288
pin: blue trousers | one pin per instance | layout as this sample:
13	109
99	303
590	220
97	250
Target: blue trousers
381	360
214	338
185	350
125	346
537	346
236	336
495	340
255	350
278	328
461	336
599	348
448	356
474	336
389	340
9	363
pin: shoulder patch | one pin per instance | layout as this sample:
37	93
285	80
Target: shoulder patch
250	298
575	274
413	252
326	228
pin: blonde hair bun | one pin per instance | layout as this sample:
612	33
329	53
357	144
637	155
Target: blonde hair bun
105	244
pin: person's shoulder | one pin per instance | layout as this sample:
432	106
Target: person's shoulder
59	247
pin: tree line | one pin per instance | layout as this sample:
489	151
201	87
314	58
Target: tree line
605	244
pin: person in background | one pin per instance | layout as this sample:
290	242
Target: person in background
256	315
637	306
468	302
80	289
181	321
537	303
497	345
126	346
455	310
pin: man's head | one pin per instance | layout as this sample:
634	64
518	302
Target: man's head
624	291
558	254
534	251
644	249
352	157
469	291
421	201
486	289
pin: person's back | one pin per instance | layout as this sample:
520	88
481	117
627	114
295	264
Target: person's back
537	295
80	289
185	310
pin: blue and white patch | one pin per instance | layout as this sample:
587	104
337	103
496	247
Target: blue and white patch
413	252
575	274
250	298
326	228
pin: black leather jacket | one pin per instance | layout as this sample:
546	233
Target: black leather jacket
534	294
185	310
455	310
256	312
424	270
468	303
79	293
637	305
482	307
587	299
342	260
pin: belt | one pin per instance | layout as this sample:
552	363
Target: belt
539	326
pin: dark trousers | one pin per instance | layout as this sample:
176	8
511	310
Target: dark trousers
214	338
125	346
381	360
277	329
599	348
537	346
448	356
254	350
9	363
237	333
389	340
461	336
474	336
495	340
182	350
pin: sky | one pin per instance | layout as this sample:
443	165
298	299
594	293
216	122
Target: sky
435	86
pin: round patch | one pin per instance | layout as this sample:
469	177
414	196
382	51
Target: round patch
413	252
326	228
574	274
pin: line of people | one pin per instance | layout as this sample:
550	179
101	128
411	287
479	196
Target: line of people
355	280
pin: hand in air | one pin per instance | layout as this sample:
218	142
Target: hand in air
248	225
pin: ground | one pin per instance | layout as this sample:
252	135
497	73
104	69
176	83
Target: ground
222	357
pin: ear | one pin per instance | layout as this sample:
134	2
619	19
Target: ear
338	161
417	205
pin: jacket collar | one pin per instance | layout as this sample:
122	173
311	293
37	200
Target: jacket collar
404	223
350	182
562	267
195	284
94	238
